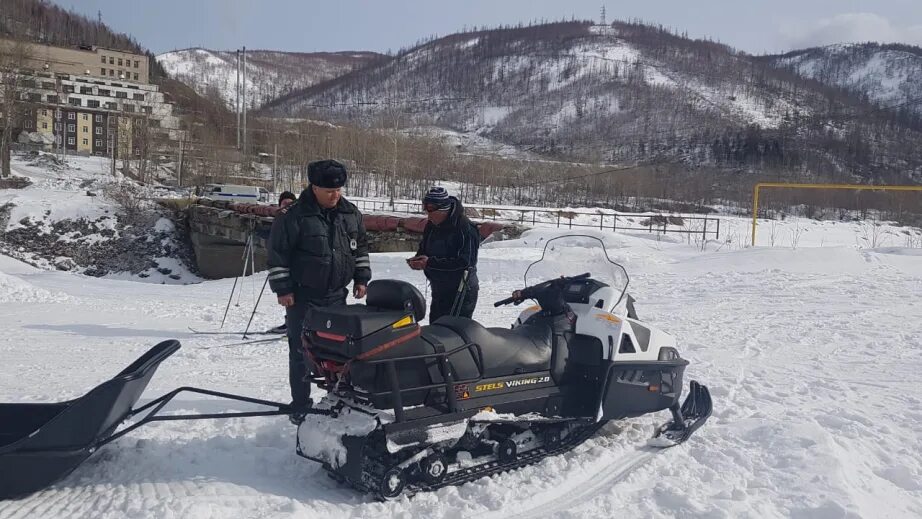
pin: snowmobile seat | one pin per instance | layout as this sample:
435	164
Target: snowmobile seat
42	443
524	349
400	296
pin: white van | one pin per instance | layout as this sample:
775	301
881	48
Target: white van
233	193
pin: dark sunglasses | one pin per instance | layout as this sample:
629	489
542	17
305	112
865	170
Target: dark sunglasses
431	208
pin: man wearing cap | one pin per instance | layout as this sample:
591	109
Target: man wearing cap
316	248
448	249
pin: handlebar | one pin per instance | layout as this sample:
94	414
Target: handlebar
504	302
526	292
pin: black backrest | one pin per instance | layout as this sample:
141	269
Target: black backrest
392	294
95	415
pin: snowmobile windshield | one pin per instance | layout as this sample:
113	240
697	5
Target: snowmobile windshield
573	255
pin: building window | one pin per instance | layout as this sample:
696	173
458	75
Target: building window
98	143
86	129
86	90
57	127
85	117
111	72
111	106
136	63
121	95
71	128
103	60
75	101
86	142
146	109
44	113
71	115
104	92
27	124
98	118
102	72
48	86
111	61
44	126
135	76
70	140
92	104
138	97
99	130
53	99
129	108
120	62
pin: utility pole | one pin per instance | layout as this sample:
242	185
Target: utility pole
237	102
602	22
244	102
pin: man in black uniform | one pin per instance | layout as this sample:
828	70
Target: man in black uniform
316	248
448	249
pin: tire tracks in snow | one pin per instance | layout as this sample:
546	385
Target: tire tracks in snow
576	491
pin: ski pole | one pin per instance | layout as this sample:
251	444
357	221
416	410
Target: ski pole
459	297
229	299
256	306
234	288
246	263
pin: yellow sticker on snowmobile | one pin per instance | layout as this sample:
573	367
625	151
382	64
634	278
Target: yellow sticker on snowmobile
608	317
508	384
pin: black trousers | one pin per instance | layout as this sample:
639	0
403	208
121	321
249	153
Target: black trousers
294	319
443	298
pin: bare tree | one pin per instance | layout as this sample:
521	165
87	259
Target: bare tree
14	55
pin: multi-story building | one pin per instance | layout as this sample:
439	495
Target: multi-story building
93	110
86	61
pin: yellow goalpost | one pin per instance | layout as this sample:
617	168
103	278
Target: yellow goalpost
783	185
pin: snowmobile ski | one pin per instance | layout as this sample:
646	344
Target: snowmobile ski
694	412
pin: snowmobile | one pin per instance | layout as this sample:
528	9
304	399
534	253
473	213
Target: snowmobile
413	408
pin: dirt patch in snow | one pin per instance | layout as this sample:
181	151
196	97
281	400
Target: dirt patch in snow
107	245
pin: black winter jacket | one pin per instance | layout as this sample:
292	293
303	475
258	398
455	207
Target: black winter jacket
451	247
318	250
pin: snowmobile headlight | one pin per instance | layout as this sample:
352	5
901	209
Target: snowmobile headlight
406	321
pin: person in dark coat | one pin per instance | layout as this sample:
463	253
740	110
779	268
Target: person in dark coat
316	248
285	199
448	249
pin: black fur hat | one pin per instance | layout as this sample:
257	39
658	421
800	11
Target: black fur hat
326	173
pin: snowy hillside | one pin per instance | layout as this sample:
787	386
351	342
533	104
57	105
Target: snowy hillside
889	75
619	94
811	355
270	74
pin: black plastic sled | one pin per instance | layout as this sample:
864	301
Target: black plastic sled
42	443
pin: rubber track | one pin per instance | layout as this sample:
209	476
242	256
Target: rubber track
526	458
371	478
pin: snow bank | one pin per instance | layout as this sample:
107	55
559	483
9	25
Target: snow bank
15	290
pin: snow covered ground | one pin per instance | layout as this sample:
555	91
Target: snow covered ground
74	191
811	354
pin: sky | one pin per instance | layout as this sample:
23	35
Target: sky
754	26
